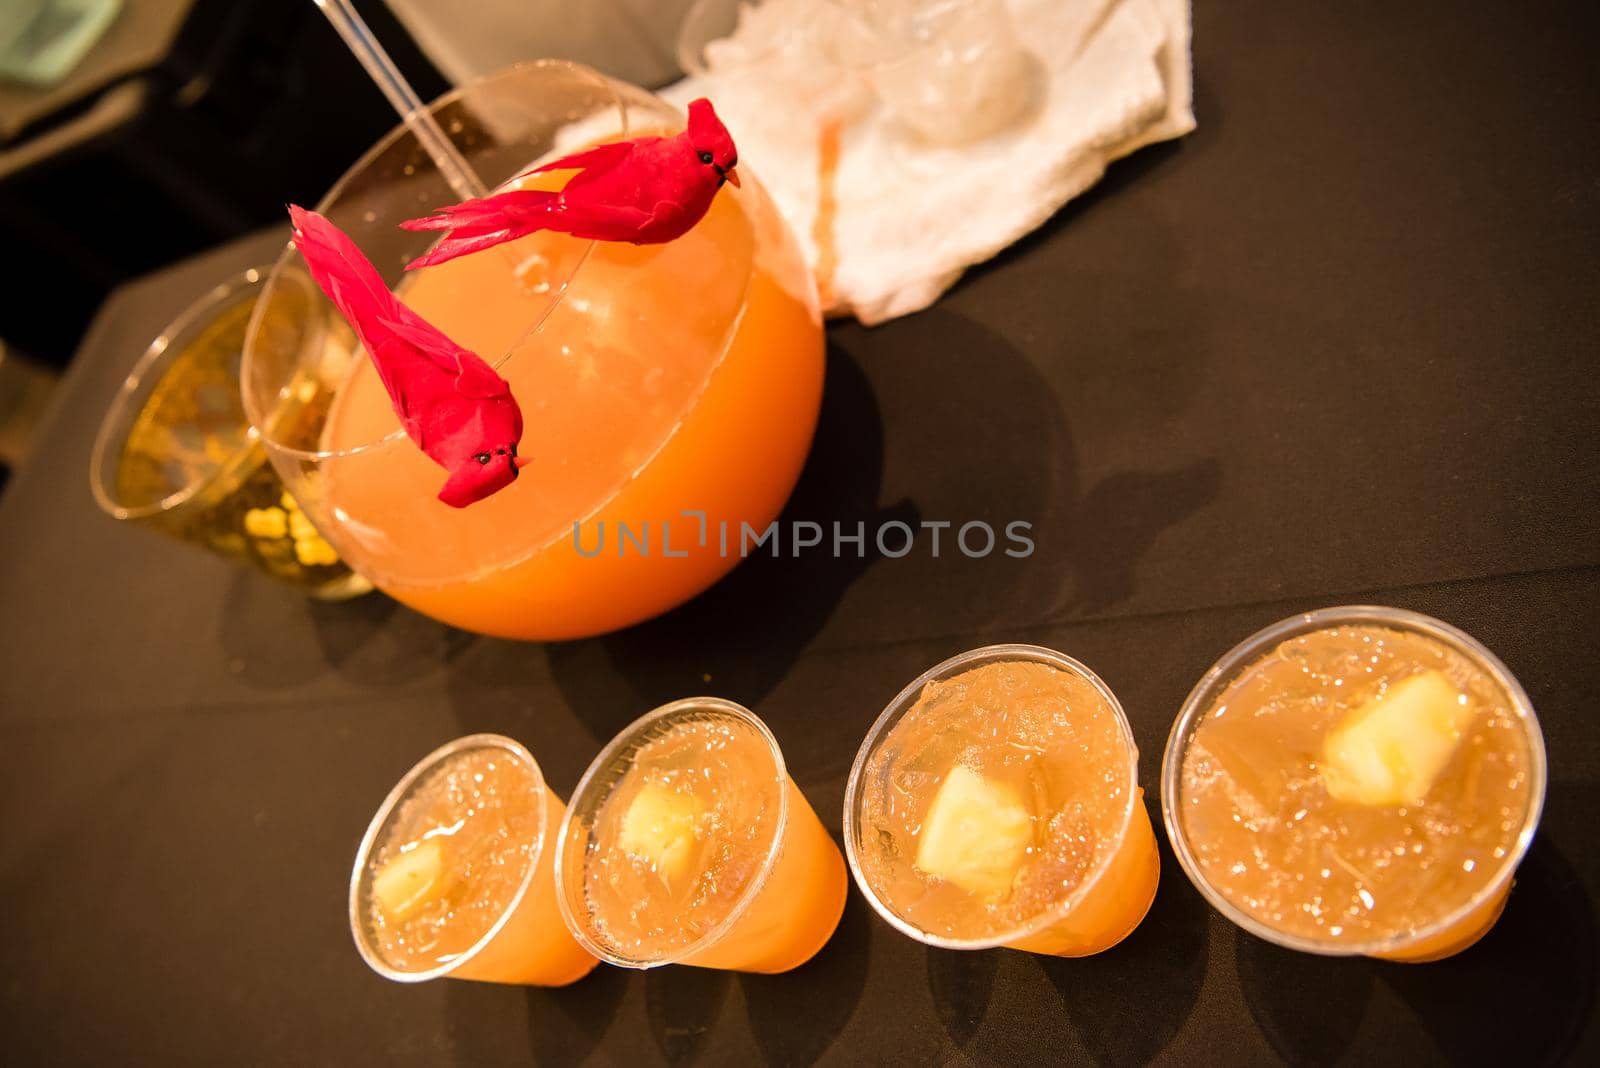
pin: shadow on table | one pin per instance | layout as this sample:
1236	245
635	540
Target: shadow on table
378	641
1106	508
1520	996
681	1005
977	439
1115	524
1121	174
1523	994
1128	1002
795	1016
739	638
1132	482
370	640
566	1024
961	983
1308	1007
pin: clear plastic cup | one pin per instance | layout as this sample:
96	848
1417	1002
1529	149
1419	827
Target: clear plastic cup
793	899
1109	901
1463	925
528	943
175	452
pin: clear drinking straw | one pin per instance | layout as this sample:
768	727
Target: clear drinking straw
463	182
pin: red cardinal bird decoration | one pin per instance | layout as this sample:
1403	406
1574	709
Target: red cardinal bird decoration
451	403
647	191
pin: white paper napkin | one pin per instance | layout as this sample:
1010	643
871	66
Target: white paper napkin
909	216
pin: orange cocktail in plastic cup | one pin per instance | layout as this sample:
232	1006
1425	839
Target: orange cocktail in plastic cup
454	877
687	843
1358	780
996	802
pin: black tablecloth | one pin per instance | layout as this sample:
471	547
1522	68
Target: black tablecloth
1337	346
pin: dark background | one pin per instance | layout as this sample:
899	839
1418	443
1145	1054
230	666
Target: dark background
256	103
1336	346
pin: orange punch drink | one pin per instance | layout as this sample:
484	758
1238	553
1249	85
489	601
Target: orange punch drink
688	843
996	802
669	392
455	874
1357	780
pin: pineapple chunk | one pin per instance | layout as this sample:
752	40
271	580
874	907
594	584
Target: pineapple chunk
975	835
1389	751
411	880
663	828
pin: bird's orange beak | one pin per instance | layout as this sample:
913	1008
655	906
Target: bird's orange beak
519	462
733	177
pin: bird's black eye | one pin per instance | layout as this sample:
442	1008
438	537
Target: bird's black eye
481	457
705	157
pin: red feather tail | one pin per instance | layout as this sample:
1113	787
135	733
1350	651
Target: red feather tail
353	284
345	275
474	225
